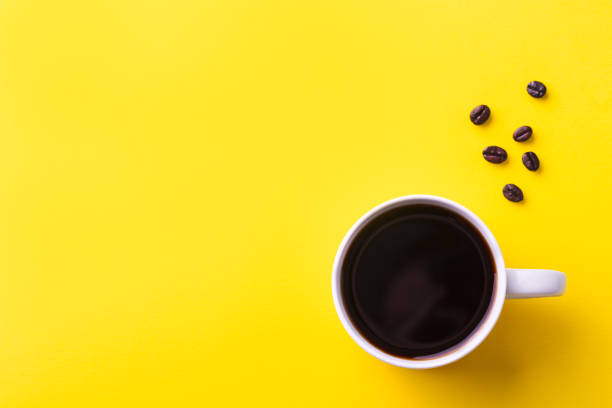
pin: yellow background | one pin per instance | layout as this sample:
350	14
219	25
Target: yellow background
175	178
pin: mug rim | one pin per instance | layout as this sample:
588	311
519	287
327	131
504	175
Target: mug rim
478	334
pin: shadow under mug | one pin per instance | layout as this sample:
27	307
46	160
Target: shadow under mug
509	283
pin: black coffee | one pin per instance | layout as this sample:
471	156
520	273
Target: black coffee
417	280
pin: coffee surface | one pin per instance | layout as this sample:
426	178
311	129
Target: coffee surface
417	280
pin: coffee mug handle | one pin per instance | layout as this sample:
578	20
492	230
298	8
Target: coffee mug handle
529	283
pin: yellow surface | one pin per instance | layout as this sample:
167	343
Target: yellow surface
175	178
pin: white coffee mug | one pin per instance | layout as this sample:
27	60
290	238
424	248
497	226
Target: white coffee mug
509	284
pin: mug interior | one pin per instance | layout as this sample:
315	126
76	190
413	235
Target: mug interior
486	323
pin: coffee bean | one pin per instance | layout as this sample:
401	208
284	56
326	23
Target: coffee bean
513	193
523	133
531	161
494	154
480	114
536	89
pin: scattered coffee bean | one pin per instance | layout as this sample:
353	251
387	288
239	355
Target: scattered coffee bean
536	89
513	193
531	161
523	133
494	154
480	114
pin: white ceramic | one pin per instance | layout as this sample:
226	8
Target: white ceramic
509	283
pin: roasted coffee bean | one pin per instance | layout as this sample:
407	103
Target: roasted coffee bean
531	161
513	193
480	114
536	89
523	133
494	154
